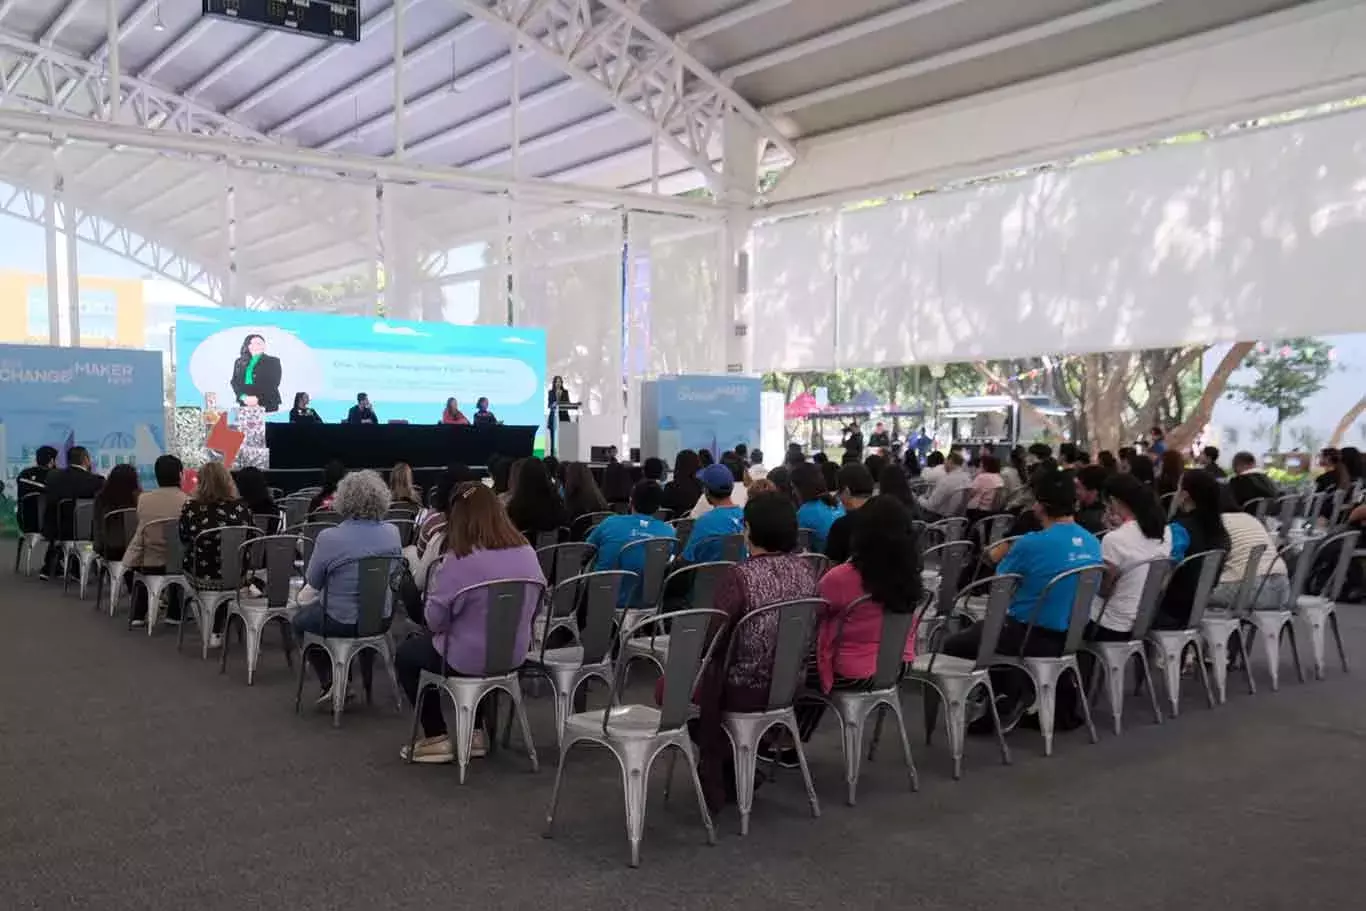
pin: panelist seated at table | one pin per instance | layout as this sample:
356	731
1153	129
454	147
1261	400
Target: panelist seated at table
452	413
362	412
482	415
301	413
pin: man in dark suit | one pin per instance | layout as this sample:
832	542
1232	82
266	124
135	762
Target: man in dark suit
361	412
75	482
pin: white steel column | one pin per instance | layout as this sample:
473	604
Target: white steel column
232	293
737	190
73	272
399	99
379	273
514	202
54	291
115	74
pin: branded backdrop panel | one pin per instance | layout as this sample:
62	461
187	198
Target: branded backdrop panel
698	412
408	369
108	400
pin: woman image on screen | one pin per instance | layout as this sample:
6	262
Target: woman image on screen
256	375
452	414
558	395
301	413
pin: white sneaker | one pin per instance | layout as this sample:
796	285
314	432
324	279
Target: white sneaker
430	751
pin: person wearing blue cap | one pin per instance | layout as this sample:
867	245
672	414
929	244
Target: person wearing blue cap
723	518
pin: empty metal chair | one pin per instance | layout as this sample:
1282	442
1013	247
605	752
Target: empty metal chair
501	666
273	557
205	596
1170	645
29	514
854	706
570	667
1270	625
794	623
1112	658
944	678
377	578
1320	610
637	734
943	567
296	511
563	561
1219	627
119	526
696	585
158	584
1047	671
267	523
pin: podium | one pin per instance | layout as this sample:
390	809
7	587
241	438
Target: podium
565	442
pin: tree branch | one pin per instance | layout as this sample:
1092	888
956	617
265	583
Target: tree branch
1025	404
1345	424
1147	415
1181	437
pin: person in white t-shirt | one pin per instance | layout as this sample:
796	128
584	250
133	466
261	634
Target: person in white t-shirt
1139	534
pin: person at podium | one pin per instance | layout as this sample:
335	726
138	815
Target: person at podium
362	412
452	413
558	395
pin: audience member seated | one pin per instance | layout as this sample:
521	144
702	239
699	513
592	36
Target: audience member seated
739	494
333	472
362	501
75	482
147	552
482	545
934	468
581	493
33	480
615	532
987	490
830	474
1106	459
402	491
946	499
894	483
434	518
723	516
1141	467
500	473
120	491
1200	518
1141	535
654	469
1209	461
215	504
1090	482
757	471
817	508
1244	533
616	484
255	492
855	489
884	565
1170	468
1061	545
535	505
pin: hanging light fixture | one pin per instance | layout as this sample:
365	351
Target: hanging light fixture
158	25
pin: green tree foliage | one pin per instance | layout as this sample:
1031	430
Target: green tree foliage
1286	374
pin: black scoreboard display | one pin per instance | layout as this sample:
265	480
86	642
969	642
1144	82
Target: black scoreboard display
338	19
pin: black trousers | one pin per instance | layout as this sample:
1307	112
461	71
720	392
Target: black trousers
1014	690
414	656
809	714
140	594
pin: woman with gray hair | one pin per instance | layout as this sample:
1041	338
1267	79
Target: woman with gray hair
362	501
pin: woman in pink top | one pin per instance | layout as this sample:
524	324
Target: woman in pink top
984	495
885	565
453	414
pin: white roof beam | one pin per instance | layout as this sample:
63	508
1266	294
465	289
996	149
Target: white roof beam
549	138
6	6
182	41
62	21
547	95
376	77
133	20
729	19
836	37
916	68
233	61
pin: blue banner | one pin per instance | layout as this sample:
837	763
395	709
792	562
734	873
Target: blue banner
408	369
702	412
108	400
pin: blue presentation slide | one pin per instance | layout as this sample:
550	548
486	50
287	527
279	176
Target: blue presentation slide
231	357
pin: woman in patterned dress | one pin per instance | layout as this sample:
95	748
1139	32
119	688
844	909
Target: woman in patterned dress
215	504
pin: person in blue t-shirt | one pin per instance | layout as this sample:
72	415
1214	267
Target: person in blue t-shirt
819	509
1037	557
706	542
616	532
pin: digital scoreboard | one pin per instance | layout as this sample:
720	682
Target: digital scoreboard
339	19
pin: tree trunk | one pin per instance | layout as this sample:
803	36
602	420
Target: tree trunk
1276	431
1181	437
1345	424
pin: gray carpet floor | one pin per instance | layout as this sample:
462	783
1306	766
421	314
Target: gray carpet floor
134	777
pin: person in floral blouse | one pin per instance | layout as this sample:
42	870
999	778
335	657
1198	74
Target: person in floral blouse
215	504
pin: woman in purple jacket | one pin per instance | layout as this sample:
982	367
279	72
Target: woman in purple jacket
482	545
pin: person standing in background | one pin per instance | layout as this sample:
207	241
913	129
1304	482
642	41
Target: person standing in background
362	412
558	395
301	413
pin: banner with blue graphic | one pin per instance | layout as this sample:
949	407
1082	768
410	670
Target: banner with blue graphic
108	400
408	369
715	413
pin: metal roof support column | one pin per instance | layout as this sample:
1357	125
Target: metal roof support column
115	75
737	187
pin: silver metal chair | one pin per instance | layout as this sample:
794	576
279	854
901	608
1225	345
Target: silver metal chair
944	678
1046	671
274	556
1271	625
942	567
794	630
946	531
296	510
501	665
267	523
204	597
570	667
583	526
377	578
407	530
1320	611
853	707
326	517
1286	510
29	513
173	578
1112	658
637	734
564	561
819	563
542	539
81	546
655	556
730	548
1219	627
1170	645
804	538
700	581
683	530
1258	507
119	527
993	529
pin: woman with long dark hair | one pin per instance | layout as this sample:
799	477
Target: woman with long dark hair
581	493
256	375
558	395
333	472
255	492
535	505
1141	467
120	491
1141	534
616	485
1170	469
1201	529
681	493
818	509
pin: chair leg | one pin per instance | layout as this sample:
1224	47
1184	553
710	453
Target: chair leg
1318	641
341	683
1337	638
685	746
877	733
633	796
1170	666
299	689
1084	705
996	723
1295	651
223	652
554	792
900	719
852	734
956	723
746	768
791	726
1217	653
1244	655
422	693
519	707
1271	647
1200	657
388	657
1114	689
930	698
1047	703
252	633
1145	673
464	736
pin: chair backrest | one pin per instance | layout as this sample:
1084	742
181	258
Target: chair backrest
30	512
503	620
377	579
1285	515
584	524
119	527
540	539
949	559
733	548
692	642
267	523
1258	507
83	520
310	530
401	511
232	570
657	552
296	510
1313	502
1000	592
1169	503
308	493
1247	586
804	538
276	493
593	596
993	529
683	529
698	582
1346	542
324	517
168	532
1211	564
563	561
407	529
954	528
1159	570
275	554
1087	580
790	627
818	563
